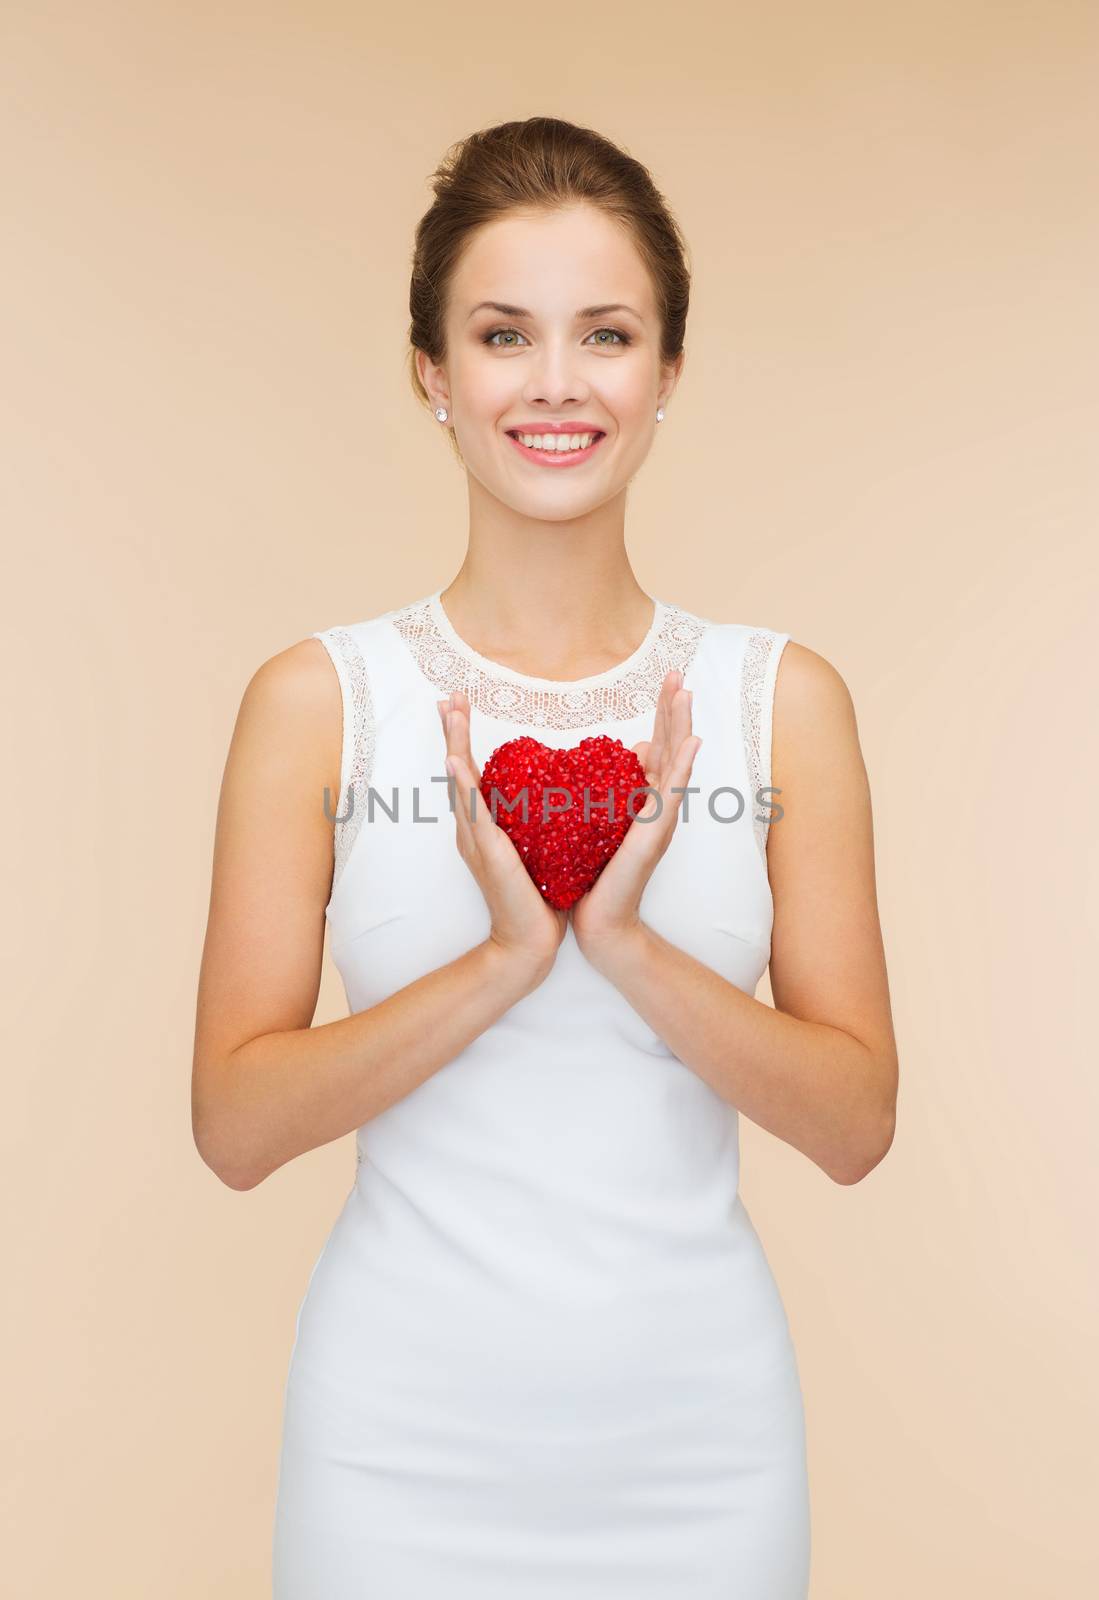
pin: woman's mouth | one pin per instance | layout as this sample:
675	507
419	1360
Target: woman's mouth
557	449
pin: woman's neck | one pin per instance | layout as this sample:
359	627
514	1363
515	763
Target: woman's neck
556	624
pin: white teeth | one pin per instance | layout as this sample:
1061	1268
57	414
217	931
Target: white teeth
556	441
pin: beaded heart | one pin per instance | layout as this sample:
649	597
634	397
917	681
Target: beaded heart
563	853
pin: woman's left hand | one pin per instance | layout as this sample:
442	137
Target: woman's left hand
609	912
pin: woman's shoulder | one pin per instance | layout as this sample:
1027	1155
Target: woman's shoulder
813	723
296	680
811	687
286	738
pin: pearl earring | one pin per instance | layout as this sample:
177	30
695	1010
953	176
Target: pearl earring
660	413
442	413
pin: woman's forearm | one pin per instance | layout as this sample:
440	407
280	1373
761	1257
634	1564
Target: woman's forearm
812	1085
284	1093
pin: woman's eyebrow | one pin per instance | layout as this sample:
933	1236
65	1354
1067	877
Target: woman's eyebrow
581	316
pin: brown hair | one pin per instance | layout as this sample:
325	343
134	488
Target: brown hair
539	164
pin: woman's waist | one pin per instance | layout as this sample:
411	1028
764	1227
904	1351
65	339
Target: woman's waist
415	1301
512	1203
588	1249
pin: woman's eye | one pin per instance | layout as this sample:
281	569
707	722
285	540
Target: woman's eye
497	333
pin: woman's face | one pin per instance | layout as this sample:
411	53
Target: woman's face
577	343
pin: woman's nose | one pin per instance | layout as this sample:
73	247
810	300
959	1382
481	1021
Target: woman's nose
553	377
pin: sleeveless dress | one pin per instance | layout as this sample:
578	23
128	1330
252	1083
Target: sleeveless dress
542	1353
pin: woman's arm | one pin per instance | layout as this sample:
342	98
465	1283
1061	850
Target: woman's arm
821	1070
266	1085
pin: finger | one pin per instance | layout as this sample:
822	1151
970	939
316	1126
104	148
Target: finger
676	775
446	713
442	706
660	723
463	800
680	772
458	733
451	744
478	811
680	720
676	728
664	708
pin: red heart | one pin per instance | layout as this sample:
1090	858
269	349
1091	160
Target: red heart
564	854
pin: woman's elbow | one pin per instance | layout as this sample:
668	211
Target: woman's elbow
223	1164
219	1146
860	1162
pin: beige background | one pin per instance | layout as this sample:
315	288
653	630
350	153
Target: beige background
884	444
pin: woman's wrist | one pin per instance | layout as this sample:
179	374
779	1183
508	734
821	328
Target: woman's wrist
514	969
616	950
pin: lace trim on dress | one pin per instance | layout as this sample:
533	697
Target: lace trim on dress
634	691
753	678
357	757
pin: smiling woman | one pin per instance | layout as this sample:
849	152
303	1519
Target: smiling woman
542	1351
558	369
510	203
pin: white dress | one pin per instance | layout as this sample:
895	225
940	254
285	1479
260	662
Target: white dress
542	1354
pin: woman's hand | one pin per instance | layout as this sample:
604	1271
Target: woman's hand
524	925
609	912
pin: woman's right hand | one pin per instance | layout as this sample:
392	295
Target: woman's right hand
524	925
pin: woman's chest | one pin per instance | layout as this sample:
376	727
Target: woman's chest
406	903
